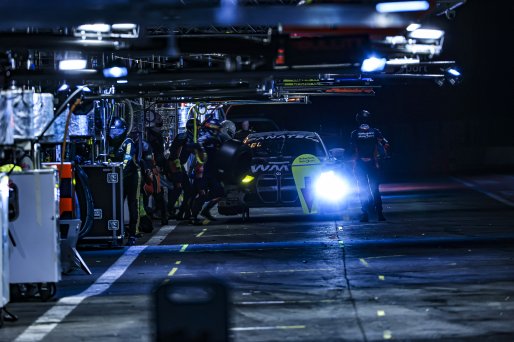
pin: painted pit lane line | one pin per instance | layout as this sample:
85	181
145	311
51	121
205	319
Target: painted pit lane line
279	327
56	314
399	241
487	193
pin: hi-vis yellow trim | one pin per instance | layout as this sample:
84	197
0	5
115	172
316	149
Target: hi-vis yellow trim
248	179
9	167
305	168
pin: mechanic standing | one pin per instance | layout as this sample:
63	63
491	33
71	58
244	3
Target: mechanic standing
124	150
368	147
182	148
156	141
209	188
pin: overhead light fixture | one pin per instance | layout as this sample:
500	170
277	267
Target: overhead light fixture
402	6
413	27
124	27
115	72
453	76
426	34
102	28
453	72
64	86
402	61
121	81
72	64
84	88
373	64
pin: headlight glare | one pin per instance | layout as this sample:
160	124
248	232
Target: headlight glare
331	187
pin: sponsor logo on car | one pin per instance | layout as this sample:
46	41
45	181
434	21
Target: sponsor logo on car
269	168
284	136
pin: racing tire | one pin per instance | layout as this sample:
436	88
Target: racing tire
234	161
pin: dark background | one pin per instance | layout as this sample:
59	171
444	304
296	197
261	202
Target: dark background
467	128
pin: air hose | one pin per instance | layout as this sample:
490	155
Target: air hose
85	201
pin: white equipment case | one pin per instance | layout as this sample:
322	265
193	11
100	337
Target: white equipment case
35	251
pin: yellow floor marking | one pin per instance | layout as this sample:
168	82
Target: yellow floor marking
268	328
201	233
364	262
166	281
247	234
340	227
178	262
172	272
387	335
385	256
183	249
381	313
290	271
381	277
280	302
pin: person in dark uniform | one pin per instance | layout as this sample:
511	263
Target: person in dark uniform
156	141
210	188
244	131
182	148
124	150
151	187
368	147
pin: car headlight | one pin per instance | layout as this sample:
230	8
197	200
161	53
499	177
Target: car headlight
331	187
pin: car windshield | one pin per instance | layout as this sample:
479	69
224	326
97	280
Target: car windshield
291	145
260	125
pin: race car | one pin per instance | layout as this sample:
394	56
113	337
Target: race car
289	169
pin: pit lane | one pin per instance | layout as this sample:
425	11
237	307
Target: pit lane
441	267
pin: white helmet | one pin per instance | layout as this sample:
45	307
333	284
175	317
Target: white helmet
229	128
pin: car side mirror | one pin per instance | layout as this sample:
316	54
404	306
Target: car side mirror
337	154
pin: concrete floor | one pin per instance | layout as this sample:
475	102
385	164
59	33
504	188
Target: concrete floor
440	268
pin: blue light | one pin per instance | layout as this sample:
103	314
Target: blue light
373	64
115	72
402	6
63	87
453	72
331	187
84	88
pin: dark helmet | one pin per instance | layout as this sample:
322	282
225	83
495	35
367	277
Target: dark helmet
190	125
364	117
117	132
212	125
229	128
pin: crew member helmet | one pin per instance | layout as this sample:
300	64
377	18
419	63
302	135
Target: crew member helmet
363	117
